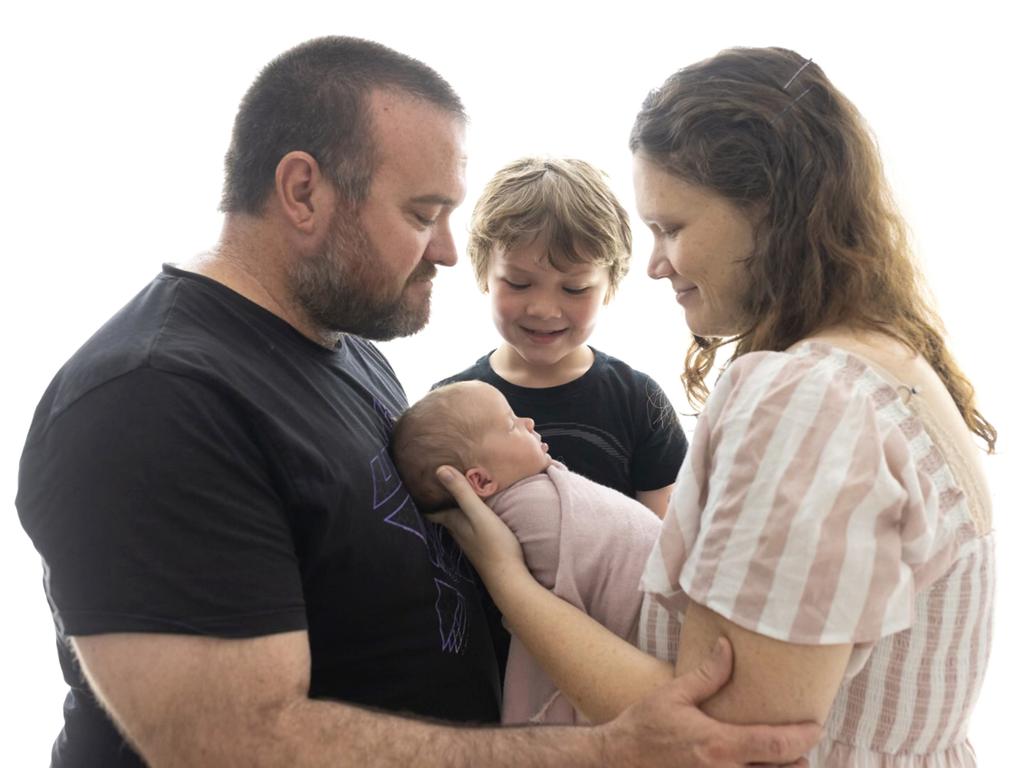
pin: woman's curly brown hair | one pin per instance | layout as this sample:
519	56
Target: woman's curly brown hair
830	247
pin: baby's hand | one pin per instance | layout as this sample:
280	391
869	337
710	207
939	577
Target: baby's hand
487	541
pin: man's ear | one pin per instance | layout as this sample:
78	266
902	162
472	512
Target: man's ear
303	193
481	481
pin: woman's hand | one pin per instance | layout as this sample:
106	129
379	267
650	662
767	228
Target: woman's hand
486	540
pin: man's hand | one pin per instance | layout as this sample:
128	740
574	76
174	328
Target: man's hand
667	728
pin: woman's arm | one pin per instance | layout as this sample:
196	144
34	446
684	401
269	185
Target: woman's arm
602	674
598	671
772	681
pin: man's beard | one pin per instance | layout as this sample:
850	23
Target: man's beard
342	288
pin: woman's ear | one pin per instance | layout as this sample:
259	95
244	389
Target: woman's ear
481	481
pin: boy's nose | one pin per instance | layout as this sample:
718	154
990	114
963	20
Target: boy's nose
543	309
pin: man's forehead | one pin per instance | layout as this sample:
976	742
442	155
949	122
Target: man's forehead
397	114
422	143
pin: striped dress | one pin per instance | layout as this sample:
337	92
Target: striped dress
818	505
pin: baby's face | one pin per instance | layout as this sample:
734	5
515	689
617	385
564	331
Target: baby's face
507	445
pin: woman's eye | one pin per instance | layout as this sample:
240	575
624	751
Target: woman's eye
426	221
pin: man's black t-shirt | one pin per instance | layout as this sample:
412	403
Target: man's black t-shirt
200	467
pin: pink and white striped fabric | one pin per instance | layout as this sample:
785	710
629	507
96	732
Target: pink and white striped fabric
815	507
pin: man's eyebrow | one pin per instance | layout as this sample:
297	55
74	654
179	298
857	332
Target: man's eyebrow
434	200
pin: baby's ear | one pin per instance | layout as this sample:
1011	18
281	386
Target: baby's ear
483	484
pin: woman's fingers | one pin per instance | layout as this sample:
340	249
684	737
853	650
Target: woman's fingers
457	485
484	538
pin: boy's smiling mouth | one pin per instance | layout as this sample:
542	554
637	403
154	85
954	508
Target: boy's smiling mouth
539	335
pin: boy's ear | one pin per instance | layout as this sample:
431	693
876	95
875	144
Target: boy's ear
483	484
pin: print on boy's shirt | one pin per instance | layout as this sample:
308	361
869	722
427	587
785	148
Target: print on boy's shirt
604	441
392	500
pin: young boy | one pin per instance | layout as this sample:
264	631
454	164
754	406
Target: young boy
550	243
585	541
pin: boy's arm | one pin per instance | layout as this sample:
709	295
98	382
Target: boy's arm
200	701
656	500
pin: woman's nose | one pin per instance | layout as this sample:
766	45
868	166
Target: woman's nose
658	266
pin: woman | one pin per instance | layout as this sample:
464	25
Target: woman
832	518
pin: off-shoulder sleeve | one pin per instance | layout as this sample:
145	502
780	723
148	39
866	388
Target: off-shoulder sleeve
799	513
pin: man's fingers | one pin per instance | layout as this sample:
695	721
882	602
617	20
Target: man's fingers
772	744
713	672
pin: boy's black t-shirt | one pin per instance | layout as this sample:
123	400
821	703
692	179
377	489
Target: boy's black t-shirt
614	424
200	467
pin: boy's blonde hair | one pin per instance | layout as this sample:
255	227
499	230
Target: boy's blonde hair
438	429
567	202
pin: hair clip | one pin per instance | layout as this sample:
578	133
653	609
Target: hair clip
792	103
796	75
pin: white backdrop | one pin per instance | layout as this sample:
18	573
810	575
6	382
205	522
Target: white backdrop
116	118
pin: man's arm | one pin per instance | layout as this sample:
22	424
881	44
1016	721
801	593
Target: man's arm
198	701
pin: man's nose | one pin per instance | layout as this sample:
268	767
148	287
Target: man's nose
441	248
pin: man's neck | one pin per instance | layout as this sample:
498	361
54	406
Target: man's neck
253	264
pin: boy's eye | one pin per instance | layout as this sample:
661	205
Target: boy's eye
576	291
516	286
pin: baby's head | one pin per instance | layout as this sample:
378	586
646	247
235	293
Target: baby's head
470	426
550	243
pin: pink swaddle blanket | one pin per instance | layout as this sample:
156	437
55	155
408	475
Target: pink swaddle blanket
589	545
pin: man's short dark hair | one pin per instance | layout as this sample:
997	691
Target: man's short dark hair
313	98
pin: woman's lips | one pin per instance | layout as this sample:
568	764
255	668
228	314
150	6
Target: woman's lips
685	294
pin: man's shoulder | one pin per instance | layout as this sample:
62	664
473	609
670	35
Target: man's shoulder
182	327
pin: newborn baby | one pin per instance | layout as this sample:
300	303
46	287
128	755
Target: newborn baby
586	542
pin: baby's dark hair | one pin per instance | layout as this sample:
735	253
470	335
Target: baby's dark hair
438	429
